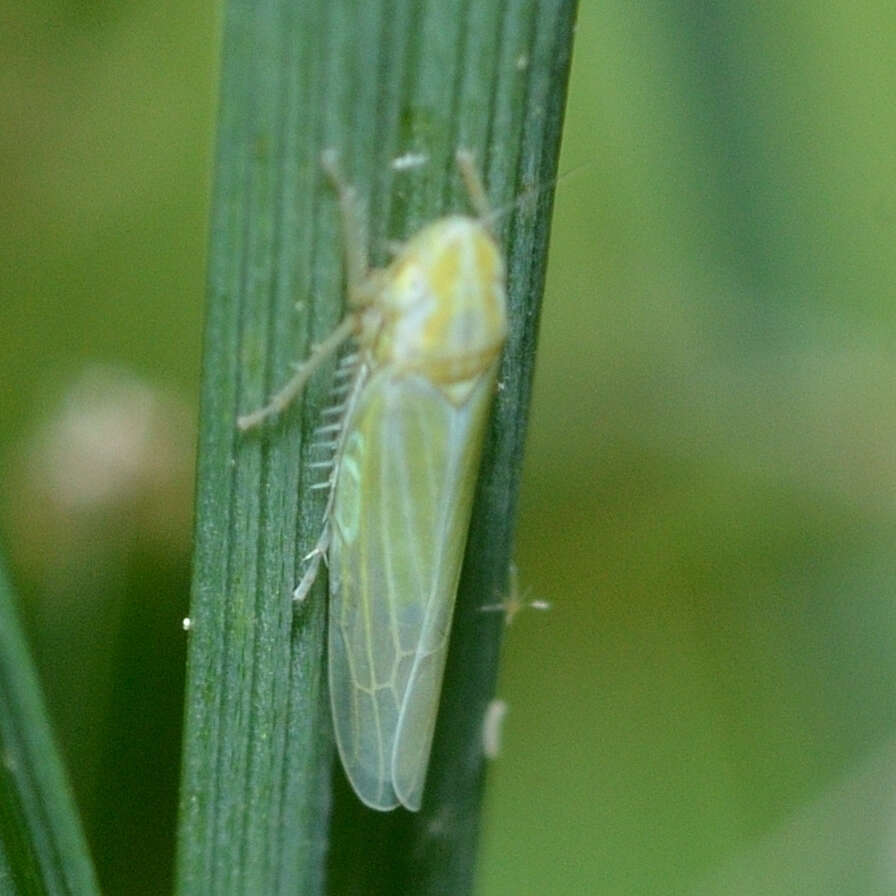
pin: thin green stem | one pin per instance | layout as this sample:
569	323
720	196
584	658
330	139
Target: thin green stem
42	845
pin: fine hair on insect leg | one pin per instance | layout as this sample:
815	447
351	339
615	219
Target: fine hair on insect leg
285	397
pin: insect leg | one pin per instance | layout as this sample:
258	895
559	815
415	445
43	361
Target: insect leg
287	394
319	552
354	233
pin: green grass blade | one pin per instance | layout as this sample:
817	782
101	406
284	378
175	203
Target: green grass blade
42	845
376	81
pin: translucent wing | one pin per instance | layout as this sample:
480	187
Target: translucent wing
401	510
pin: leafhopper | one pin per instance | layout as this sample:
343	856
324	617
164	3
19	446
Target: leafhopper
408	427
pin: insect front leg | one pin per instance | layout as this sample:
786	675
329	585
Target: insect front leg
354	231
359	284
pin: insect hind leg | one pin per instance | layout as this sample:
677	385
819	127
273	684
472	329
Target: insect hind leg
348	368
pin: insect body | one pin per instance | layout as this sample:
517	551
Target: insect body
429	330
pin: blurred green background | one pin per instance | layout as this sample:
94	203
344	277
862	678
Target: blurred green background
709	502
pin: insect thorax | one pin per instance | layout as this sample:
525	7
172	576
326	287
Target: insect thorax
443	310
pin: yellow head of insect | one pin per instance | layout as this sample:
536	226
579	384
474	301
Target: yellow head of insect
444	309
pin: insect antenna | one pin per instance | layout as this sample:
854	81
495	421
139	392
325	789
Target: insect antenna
479	198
